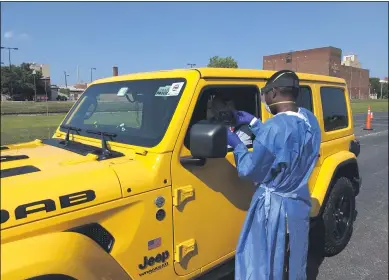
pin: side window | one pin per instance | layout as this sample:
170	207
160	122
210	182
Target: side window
334	104
304	99
226	98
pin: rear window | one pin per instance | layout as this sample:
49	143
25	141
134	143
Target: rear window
334	104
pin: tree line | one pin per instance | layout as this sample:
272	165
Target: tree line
375	87
18	81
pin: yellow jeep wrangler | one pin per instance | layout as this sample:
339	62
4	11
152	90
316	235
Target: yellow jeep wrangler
118	192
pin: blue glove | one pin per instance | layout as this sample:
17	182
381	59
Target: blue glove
233	140
242	117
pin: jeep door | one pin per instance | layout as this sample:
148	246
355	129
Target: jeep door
209	199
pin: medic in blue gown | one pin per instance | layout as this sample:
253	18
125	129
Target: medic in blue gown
285	151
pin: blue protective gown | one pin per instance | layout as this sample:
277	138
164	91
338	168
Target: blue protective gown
285	151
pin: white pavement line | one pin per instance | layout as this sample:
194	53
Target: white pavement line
376	146
372	134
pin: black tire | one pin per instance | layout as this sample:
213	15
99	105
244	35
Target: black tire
338	217
52	277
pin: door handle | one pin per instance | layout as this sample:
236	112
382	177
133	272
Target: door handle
193	161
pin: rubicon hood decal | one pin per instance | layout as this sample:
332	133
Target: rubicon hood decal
18	171
11	158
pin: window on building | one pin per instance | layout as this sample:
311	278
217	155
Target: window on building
304	98
334	104
288	58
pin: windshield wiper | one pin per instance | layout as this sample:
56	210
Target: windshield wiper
69	128
106	152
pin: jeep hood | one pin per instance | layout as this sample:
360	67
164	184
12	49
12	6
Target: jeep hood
39	181
36	155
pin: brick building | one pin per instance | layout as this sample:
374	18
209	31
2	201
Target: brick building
324	61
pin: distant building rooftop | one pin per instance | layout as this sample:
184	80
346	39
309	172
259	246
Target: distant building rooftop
71	88
81	86
43	68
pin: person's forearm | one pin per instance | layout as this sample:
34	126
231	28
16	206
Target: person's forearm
255	126
254	165
243	160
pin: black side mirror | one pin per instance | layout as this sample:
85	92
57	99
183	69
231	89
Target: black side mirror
208	141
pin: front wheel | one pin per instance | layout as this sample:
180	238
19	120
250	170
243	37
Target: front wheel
338	217
52	277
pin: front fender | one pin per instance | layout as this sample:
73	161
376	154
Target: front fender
326	174
65	253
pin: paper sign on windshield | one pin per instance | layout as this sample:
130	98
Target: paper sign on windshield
175	89
172	90
163	91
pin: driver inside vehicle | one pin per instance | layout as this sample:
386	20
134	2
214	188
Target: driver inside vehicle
221	110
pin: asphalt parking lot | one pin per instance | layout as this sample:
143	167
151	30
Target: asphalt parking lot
366	256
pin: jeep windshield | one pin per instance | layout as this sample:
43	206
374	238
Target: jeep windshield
137	111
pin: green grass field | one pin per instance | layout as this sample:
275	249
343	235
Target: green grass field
30	127
16	129
360	107
29	107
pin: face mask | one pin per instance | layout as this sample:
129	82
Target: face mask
267	107
265	104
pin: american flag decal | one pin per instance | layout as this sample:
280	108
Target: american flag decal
155	243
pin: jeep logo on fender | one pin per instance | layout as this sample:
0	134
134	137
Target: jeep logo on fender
160	258
48	205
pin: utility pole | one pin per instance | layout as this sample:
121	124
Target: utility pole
359	85
351	81
91	73
9	59
47	98
34	74
66	81
191	65
369	90
9	53
381	90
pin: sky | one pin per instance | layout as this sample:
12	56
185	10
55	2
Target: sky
151	36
